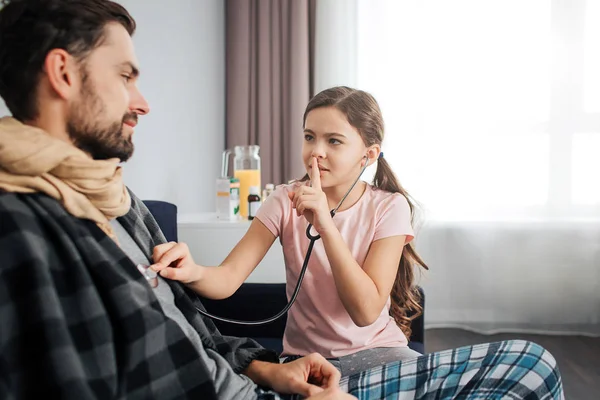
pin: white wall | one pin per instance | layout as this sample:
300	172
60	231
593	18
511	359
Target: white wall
181	49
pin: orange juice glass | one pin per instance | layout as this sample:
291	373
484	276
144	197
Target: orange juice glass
247	177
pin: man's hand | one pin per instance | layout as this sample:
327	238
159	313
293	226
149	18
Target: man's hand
306	376
332	394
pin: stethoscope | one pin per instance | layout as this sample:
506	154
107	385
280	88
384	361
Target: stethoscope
313	239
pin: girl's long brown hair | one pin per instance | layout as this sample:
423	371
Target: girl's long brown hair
363	113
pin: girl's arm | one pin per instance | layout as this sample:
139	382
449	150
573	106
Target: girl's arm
241	261
363	291
174	261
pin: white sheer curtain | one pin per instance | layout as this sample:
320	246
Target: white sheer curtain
492	113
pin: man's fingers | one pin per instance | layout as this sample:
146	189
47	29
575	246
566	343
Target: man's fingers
304	388
313	390
332	394
320	366
329	381
331	374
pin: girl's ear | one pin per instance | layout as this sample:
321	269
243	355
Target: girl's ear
365	160
373	153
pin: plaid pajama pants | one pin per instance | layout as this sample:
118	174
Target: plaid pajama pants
503	370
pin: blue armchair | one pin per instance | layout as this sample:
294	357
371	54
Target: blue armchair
165	215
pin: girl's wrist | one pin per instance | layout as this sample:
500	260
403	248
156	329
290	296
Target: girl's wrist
328	228
198	274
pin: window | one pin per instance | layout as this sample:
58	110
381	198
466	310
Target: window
492	108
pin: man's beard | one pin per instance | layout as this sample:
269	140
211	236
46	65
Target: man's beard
88	133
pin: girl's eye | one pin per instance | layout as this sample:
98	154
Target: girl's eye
126	78
308	138
334	141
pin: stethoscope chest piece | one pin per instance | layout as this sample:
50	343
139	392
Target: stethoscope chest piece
148	273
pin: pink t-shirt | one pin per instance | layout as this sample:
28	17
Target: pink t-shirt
318	321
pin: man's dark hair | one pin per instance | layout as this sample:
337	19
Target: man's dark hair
30	29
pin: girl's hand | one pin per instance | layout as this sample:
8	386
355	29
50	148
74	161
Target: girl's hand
311	202
174	261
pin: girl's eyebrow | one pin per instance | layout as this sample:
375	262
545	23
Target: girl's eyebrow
328	134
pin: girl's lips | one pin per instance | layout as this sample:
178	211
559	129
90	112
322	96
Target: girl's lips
320	168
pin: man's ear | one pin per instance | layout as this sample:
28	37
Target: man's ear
63	73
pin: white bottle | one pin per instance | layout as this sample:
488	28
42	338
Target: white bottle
228	198
269	188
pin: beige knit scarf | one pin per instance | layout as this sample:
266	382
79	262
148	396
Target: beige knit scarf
33	161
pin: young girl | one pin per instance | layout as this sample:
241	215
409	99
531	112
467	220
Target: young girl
358	290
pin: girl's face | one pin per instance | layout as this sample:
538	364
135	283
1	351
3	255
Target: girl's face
336	144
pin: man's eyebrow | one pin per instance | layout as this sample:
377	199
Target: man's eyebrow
135	71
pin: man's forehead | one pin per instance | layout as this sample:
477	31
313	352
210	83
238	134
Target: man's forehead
117	47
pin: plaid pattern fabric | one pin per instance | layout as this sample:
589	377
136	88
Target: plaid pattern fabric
144	229
513	369
503	370
78	321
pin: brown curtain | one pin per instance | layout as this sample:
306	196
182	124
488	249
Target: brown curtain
269	76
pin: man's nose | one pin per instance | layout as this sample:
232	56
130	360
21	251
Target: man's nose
139	104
